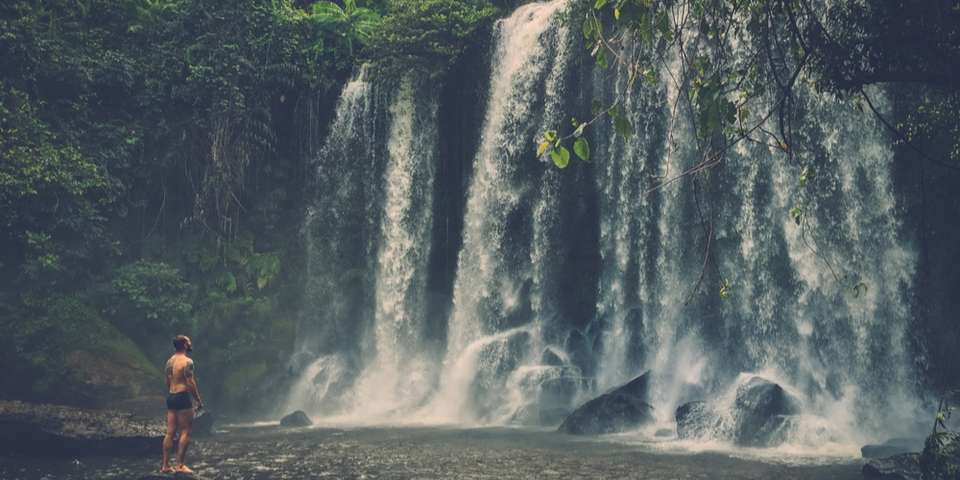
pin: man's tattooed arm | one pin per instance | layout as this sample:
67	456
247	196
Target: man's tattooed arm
169	372
188	373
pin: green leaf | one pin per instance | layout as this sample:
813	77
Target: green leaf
589	28
542	148
550	136
599	4
622	125
796	213
602	58
582	149
560	157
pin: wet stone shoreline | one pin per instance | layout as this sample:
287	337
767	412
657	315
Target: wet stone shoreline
419	452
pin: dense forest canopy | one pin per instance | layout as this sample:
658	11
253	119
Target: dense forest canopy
154	154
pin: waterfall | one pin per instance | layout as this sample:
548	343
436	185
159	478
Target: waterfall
395	206
820	305
502	274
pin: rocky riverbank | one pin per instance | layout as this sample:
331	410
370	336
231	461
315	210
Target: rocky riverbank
60	431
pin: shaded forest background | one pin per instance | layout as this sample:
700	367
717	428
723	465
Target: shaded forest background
156	158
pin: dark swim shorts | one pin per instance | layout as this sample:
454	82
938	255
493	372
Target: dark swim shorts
179	401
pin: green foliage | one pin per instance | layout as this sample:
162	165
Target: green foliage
355	24
432	31
553	144
582	148
150	297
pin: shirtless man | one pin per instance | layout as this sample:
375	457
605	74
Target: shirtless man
182	385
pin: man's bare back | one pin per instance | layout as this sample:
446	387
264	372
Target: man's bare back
179	368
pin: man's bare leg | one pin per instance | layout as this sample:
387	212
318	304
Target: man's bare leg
168	441
184	424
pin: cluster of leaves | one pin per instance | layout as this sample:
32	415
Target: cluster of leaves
942	447
552	144
429	31
355	24
150	297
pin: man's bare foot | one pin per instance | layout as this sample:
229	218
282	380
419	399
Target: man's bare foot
166	469
184	469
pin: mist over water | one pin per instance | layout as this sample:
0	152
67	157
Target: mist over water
820	307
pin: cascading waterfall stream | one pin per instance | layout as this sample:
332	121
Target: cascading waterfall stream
500	276
396	368
820	307
400	375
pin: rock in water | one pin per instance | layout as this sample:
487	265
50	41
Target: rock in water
296	419
622	409
54	430
905	466
763	413
940	459
695	420
894	446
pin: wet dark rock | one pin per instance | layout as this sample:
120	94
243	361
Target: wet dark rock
763	414
695	419
905	466
296	419
54	430
203	423
624	408
578	348
638	387
940	459
894	446
663	432
550	358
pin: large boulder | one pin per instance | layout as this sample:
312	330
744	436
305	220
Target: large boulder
763	413
940	459
55	430
696	420
898	467
296	419
894	446
624	408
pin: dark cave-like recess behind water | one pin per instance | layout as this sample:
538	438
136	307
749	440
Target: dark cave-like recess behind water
453	276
